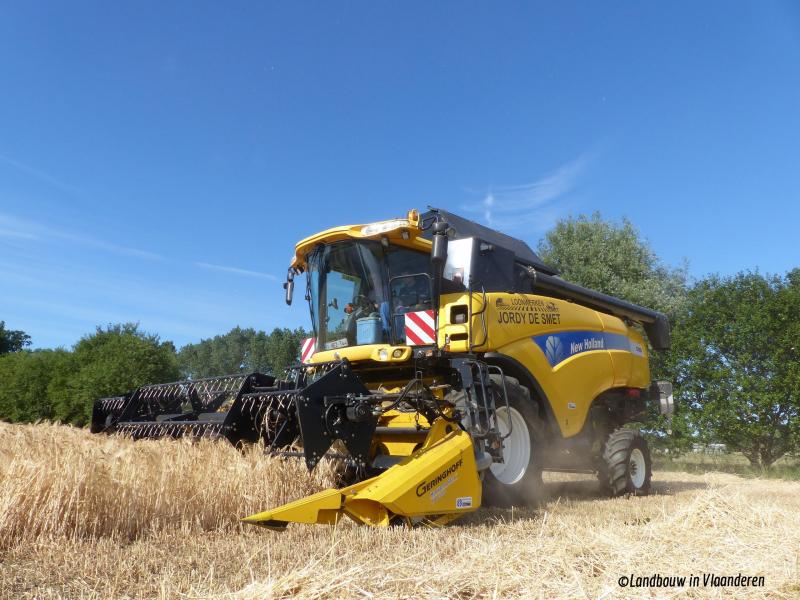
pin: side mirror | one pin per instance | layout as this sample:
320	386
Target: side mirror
289	287
439	243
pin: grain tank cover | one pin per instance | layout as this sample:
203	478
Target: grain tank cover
655	324
464	228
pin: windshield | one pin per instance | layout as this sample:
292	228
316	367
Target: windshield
348	290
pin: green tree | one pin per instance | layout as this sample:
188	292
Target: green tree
12	340
27	393
111	362
242	350
274	352
736	362
613	259
220	355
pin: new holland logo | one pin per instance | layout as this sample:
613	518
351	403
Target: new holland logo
554	350
558	347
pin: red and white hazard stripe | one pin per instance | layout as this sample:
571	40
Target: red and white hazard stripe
420	328
307	348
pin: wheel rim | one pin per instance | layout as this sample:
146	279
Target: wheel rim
638	468
516	447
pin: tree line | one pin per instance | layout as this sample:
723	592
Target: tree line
734	361
62	385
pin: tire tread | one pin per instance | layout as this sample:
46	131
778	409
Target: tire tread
616	458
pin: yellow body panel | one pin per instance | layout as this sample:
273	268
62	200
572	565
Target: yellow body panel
439	479
606	353
400	445
365	352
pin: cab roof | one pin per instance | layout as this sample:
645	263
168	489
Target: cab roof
464	228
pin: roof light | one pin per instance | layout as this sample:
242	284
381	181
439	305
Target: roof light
383	226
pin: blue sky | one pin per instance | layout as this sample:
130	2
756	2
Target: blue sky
159	160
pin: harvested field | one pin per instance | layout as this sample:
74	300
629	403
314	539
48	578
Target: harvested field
86	516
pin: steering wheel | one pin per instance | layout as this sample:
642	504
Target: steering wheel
360	306
363	301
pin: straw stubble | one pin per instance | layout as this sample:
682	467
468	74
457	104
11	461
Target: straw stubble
104	517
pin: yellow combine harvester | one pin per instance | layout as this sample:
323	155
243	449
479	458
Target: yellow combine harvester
449	368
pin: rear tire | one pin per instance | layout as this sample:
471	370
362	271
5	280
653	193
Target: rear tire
627	467
517	481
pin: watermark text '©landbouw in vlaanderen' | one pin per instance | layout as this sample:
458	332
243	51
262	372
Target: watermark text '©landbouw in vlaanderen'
692	580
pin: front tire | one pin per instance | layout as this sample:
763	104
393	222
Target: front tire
517	481
627	467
